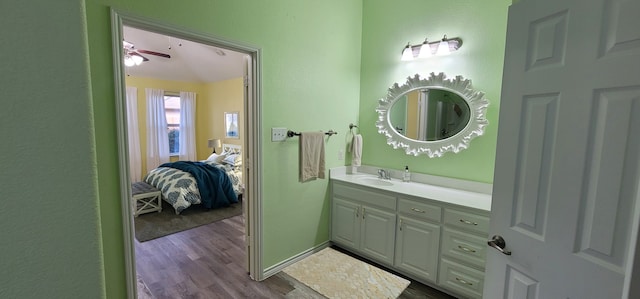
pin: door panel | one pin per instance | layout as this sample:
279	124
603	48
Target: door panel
346	223
567	163
378	234
417	248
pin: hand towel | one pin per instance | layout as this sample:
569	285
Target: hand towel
311	156
356	153
349	140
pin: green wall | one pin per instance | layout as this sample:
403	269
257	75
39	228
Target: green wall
310	81
387	27
324	65
50	242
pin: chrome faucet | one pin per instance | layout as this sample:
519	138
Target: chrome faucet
383	174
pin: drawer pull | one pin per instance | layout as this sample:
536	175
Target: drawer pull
468	222
467	249
417	210
463	281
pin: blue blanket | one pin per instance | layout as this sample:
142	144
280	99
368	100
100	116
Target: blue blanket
215	187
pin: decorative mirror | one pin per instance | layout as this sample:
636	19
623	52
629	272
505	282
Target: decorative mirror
432	116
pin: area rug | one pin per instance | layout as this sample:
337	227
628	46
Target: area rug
154	225
337	275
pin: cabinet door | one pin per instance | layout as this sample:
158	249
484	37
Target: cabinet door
417	248
345	225
378	234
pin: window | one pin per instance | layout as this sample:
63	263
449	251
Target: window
172	112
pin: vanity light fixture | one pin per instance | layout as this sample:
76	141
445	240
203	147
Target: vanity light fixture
427	49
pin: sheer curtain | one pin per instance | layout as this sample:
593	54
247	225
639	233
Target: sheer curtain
135	160
187	135
157	135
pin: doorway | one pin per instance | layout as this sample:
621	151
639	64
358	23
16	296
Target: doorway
249	140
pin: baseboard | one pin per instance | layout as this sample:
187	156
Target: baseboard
290	261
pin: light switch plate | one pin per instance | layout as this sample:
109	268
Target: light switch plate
278	134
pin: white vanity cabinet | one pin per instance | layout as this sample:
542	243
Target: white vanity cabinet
364	221
463	251
417	238
436	242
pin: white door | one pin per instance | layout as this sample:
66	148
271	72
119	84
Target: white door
567	166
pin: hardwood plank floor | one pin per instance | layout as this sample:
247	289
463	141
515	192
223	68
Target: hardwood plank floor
209	262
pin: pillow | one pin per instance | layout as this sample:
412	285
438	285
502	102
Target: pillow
217	158
233	160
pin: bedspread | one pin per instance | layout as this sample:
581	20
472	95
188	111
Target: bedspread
180	188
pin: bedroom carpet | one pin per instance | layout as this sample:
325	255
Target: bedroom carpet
337	275
155	225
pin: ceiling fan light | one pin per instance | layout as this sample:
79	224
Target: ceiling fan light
128	61
137	60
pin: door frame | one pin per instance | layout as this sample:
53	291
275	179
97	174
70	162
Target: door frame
251	153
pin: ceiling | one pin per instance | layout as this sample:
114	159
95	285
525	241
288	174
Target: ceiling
190	61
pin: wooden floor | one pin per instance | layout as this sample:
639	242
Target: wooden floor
209	262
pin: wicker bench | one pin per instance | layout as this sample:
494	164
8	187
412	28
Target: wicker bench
145	198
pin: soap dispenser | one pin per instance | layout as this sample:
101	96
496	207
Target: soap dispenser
406	176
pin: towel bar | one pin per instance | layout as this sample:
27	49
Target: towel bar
292	133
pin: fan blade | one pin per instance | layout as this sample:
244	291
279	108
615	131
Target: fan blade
154	53
138	54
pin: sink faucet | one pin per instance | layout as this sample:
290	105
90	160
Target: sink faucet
383	174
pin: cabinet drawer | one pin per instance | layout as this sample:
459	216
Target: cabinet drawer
461	279
467	221
365	196
465	247
419	210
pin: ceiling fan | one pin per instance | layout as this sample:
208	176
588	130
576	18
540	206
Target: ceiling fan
133	56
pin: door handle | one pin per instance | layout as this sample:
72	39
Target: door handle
499	244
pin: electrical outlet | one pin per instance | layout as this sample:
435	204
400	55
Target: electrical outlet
278	134
341	155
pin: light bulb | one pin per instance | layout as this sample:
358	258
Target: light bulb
137	59
425	50
128	61
407	53
443	48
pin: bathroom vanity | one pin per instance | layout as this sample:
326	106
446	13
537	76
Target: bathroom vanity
435	234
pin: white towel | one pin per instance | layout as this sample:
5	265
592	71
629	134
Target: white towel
356	152
349	140
311	156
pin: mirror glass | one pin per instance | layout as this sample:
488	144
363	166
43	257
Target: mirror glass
429	114
432	115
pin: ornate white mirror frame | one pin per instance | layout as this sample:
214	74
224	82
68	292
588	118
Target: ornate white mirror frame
475	127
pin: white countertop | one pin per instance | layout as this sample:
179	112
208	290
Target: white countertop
476	200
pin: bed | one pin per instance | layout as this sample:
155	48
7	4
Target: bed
219	176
